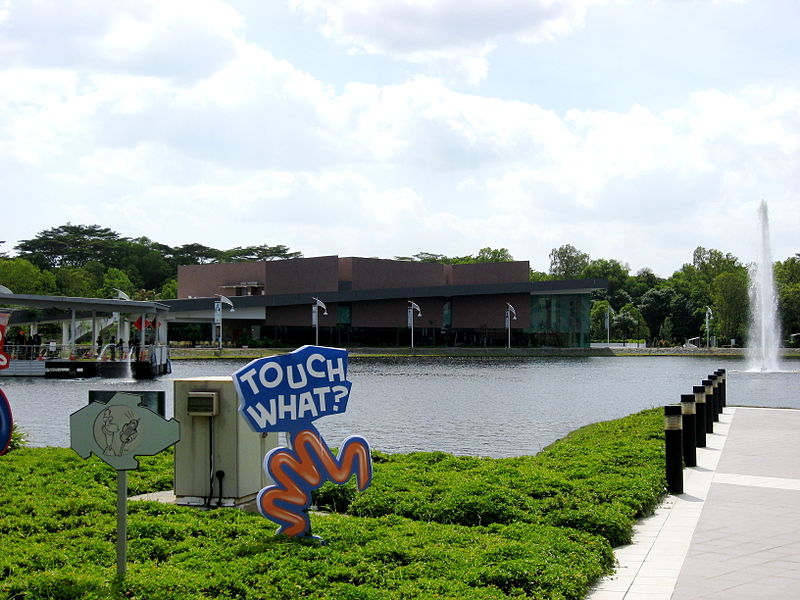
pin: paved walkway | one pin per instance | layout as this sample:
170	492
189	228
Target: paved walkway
734	533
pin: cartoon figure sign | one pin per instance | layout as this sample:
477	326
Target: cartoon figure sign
288	393
120	430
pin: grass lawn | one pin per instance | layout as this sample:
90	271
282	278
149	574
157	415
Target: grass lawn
432	525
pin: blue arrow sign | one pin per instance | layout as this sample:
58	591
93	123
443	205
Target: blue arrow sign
288	392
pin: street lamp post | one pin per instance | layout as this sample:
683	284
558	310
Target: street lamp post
412	306
709	315
510	312
218	315
315	317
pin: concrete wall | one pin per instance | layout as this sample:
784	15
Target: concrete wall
483	273
302	275
378	274
203	281
394	313
479	312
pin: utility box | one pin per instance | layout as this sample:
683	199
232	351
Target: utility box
219	458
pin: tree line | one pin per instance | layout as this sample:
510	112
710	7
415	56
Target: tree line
94	261
671	310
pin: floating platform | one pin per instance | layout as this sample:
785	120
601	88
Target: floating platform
60	368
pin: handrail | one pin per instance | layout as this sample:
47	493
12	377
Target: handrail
53	350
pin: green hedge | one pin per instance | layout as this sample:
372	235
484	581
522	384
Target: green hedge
431	526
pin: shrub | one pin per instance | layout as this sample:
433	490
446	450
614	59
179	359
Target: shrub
431	526
19	439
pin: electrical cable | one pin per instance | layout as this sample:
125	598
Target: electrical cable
220	474
211	462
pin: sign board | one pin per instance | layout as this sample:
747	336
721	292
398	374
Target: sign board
6	423
289	391
119	430
4	316
217	313
155	400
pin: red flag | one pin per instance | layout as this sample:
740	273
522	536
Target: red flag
138	323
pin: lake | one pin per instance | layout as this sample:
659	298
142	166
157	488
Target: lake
482	407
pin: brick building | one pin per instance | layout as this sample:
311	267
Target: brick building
367	301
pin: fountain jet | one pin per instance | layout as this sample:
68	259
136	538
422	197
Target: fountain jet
763	333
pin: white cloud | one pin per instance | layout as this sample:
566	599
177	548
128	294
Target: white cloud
181	39
454	36
248	148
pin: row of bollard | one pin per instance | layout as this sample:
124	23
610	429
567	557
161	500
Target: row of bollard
686	425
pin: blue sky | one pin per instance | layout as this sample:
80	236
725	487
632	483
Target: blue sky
631	130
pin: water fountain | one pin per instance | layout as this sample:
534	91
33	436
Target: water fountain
764	332
118	366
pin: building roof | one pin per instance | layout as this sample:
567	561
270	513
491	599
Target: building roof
536	288
83	305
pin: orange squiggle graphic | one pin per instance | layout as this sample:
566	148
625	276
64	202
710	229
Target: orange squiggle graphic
304	468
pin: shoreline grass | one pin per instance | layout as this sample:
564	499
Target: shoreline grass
438	353
432	525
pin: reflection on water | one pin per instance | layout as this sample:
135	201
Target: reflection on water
478	407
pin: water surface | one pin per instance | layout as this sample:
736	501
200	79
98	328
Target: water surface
488	407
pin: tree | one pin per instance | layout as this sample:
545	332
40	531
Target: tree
115	279
263	252
75	281
787	280
623	324
711	263
538	275
686	318
427	257
597	319
620	299
193	254
493	255
788	271
488	255
640	328
23	277
789	309
169	291
665	331
567	262
655	306
644	280
696	280
614	271
731	304
71	245
144	263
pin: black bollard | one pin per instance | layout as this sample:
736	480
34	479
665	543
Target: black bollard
709	389
688	428
700	419
723	378
672	443
714	398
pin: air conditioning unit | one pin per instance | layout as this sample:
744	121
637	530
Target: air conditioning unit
219	458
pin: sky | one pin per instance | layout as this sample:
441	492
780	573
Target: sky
633	130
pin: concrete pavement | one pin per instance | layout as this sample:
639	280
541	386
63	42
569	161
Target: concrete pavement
735	531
